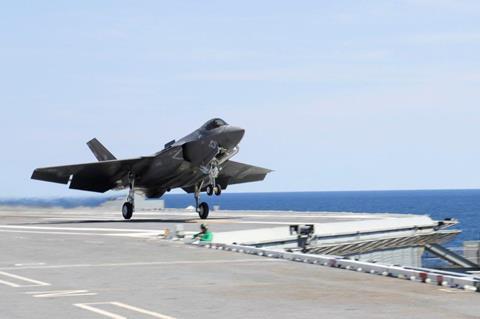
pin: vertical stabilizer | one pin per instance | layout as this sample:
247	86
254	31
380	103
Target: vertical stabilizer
100	151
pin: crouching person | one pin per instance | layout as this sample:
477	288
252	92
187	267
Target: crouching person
204	235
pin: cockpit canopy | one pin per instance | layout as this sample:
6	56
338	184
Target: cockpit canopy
213	124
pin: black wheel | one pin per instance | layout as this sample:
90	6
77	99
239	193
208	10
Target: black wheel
203	210
209	190
127	210
217	190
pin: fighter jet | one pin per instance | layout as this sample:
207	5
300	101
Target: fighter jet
198	162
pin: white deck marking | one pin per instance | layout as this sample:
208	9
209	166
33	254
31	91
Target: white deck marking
51	232
90	307
140	310
79	231
29	264
99	311
133	234
265	222
33	283
130	230
60	293
138	235
11	284
293	215
456	291
153	263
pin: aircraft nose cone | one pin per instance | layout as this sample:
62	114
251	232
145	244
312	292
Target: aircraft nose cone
233	135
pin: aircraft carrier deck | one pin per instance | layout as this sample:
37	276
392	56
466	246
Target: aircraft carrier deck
90	263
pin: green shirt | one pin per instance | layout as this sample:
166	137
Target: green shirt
206	236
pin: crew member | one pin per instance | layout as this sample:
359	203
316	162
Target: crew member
204	235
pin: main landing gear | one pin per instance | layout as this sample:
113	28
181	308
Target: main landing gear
212	170
202	208
129	206
217	190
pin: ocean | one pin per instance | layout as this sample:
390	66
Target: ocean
463	205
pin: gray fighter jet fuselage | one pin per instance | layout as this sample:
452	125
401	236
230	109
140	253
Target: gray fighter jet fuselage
197	162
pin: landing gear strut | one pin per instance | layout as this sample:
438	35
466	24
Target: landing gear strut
212	170
129	206
202	208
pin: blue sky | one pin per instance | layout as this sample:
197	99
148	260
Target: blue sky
334	95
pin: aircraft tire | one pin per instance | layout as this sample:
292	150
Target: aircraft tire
210	190
203	210
127	210
217	190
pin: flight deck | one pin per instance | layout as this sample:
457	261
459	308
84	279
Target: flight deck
90	263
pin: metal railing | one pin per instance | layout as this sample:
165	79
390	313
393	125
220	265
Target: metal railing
423	275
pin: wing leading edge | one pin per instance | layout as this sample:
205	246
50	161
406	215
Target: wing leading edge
236	173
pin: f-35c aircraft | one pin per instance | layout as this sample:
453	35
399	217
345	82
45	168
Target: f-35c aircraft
198	162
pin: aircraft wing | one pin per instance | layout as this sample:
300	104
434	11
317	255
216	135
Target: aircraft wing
96	177
237	173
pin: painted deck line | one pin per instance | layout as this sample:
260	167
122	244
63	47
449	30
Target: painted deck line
60	293
8	283
29	264
69	233
21	278
153	263
140	310
138	235
90	307
77	228
99	311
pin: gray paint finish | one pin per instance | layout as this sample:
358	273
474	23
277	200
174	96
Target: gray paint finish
192	163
